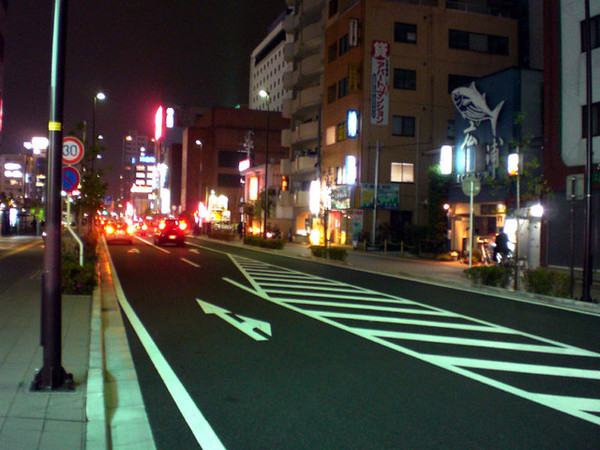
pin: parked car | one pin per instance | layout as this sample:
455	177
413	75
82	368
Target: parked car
171	231
119	232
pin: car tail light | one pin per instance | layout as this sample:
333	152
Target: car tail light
130	229
110	229
161	226
182	225
144	227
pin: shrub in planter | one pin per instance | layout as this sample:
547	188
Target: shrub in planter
489	275
337	253
222	235
76	279
272	243
318	251
546	282
259	241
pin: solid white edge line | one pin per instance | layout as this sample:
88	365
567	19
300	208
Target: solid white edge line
198	424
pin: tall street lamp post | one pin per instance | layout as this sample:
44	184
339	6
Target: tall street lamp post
265	94
99	96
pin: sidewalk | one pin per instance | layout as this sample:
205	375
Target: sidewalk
106	409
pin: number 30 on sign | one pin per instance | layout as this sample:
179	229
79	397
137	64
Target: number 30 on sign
72	150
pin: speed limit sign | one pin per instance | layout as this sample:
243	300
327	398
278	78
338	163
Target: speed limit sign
72	150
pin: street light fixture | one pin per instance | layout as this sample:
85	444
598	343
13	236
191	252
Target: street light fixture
99	96
265	94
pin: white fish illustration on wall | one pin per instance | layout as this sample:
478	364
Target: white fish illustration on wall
472	105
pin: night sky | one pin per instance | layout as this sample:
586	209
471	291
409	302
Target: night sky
140	53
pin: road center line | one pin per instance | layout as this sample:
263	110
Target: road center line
190	262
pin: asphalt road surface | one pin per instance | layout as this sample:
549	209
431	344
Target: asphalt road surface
241	349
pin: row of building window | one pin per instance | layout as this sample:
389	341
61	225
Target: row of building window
338	48
457	39
402	79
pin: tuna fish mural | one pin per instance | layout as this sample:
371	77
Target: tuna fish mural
472	105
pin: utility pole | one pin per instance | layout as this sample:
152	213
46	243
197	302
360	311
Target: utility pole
52	376
588	260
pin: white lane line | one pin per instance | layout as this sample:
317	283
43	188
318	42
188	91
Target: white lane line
366	299
366	295
153	245
198	424
190	262
535	369
301	301
562	402
576	408
480	343
299	283
422	323
312	286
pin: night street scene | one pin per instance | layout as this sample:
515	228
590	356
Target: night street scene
299	224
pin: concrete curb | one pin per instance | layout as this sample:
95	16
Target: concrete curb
96	429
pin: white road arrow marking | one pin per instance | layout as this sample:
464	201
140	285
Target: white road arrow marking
133	250
246	325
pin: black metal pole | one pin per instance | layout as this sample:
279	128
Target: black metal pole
93	149
52	376
266	213
587	235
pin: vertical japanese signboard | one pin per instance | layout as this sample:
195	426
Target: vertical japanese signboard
380	82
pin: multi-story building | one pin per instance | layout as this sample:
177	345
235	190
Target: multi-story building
267	66
212	149
15	176
390	69
3	23
303	108
134	146
565	131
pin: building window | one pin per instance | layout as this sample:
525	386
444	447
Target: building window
594	35
229	159
477	42
403	126
405	32
455	81
332	52
331	91
225	180
333	8
595	120
402	173
343	87
405	79
330	135
344	46
341	132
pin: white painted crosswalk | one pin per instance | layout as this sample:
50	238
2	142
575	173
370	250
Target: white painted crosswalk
452	341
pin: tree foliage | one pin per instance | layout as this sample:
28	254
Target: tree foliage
533	185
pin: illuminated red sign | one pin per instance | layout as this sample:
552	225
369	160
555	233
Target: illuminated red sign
253	188
158	123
